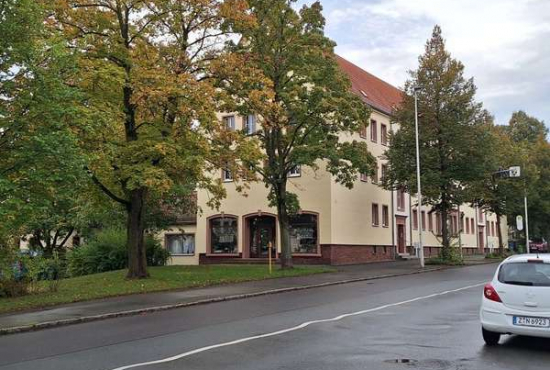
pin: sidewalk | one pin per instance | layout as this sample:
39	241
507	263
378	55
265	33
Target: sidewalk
151	302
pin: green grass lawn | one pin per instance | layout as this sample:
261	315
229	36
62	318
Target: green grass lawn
110	284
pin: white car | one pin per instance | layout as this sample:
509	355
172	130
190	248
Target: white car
517	301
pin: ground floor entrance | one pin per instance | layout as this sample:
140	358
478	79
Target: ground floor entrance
261	233
401	234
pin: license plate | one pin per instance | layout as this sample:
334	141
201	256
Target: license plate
538	322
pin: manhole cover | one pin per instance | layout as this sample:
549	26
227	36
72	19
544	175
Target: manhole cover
401	361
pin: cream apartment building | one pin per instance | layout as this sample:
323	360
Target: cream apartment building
335	225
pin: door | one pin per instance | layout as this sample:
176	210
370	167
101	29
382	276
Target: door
401	238
481	240
262	234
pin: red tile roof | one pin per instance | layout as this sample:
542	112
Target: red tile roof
377	93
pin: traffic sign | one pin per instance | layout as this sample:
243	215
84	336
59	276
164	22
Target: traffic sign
514	171
519	223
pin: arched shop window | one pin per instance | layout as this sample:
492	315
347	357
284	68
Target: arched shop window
304	234
223	235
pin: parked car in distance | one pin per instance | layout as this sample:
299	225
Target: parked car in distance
538	245
517	300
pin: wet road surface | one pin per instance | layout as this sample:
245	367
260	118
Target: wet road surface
427	321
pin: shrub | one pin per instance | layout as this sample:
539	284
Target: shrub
14	278
106	251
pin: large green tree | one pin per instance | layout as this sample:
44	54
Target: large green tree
525	128
531	135
495	192
292	81
151	105
40	164
451	136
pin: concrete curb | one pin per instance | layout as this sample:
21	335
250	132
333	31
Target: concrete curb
84	319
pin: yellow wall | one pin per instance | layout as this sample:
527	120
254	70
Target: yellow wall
181	259
345	216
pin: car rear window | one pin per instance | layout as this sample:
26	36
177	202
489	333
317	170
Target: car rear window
525	273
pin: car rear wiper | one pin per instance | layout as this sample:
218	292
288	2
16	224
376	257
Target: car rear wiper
515	282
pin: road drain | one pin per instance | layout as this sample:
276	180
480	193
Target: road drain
401	361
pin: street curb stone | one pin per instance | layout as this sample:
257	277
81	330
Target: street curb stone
84	319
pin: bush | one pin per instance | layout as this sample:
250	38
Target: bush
106	251
13	276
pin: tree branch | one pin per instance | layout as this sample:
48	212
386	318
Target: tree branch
106	190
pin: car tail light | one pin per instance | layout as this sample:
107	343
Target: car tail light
491	294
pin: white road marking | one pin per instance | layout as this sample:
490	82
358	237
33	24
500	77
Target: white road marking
294	328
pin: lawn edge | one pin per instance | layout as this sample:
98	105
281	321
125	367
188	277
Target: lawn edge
178	289
85	319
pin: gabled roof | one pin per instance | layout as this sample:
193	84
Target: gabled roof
378	94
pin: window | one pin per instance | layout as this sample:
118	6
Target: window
250	124
472	226
494	228
454	225
227	176
296	171
375	175
180	244
303	234
461	224
400	200
467	225
415	219
364	177
423	216
488	226
525	274
363	132
383	134
385	216
375	219
373	131
383	172
430	222
480	211
223	235
229	122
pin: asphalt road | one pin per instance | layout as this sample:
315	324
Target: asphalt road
429	320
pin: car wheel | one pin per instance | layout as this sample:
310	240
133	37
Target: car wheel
491	338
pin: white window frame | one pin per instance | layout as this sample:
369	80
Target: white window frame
295	171
227	176
229	122
250	129
167	235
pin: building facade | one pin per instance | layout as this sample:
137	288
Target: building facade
336	225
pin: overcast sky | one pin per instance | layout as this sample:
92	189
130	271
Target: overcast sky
504	44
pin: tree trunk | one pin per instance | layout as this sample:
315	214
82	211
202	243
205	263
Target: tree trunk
446	240
499	234
137	261
284	227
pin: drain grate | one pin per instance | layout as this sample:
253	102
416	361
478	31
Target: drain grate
401	361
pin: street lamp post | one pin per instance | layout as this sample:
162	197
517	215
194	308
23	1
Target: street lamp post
528	247
418	214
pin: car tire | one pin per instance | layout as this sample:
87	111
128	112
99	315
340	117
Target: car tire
490	337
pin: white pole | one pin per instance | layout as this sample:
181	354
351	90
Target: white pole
419	212
526	224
